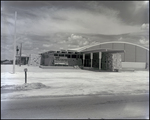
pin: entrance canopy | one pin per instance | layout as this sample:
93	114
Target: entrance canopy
104	50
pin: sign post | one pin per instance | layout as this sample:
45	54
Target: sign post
25	70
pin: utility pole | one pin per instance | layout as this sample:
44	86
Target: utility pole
14	57
20	53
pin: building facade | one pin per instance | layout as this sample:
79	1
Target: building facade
61	58
105	56
134	56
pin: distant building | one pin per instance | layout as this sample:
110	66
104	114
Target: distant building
32	59
24	59
7	62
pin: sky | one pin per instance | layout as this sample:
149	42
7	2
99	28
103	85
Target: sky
53	25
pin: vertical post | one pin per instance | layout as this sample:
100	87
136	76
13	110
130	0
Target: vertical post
26	61
25	70
147	60
30	58
100	56
25	77
14	57
20	53
135	53
124	52
91	59
83	59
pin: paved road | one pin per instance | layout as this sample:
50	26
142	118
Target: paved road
94	106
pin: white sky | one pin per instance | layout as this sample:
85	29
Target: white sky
51	25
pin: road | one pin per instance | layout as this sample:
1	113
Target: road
87	107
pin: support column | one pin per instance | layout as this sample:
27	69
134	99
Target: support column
83	59
100	56
26	60
91	59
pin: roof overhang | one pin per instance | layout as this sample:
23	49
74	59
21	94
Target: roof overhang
80	49
104	50
22	56
72	50
115	51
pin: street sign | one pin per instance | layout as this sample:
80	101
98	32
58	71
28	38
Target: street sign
25	69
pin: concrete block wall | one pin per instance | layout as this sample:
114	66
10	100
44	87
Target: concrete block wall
34	60
116	61
111	61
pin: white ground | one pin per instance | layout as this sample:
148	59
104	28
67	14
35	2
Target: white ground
64	82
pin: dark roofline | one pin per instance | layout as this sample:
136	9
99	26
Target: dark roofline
104	50
81	49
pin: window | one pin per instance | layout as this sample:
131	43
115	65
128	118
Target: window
68	56
87	56
55	54
63	52
43	55
61	55
73	56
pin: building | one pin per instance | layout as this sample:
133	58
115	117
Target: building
32	59
7	62
106	56
24	59
134	56
61	58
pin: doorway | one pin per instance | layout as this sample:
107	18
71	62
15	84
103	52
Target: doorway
95	60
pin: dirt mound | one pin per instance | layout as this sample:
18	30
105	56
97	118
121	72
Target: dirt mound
27	86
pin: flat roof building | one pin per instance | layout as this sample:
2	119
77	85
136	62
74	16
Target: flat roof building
106	56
